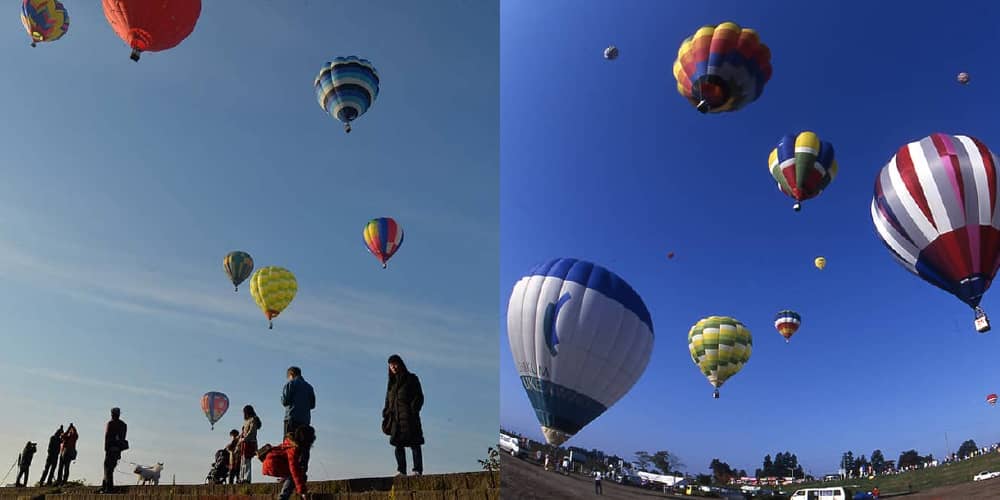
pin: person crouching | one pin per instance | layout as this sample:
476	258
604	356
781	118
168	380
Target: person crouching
289	461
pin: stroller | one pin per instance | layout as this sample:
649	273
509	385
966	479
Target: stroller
220	469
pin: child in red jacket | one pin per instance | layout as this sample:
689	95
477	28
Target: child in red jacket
288	461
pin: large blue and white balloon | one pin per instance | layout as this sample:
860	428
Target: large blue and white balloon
581	337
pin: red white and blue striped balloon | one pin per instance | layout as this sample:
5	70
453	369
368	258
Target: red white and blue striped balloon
935	209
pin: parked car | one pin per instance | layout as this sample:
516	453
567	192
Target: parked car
985	475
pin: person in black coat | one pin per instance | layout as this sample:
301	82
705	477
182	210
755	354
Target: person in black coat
401	415
24	462
51	457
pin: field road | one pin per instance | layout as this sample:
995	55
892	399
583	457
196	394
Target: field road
521	479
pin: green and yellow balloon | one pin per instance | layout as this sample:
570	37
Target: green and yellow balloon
238	266
273	288
720	346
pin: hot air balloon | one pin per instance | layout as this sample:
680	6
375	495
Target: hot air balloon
820	263
670	255
787	323
44	20
273	288
238	266
991	399
346	87
581	337
611	53
803	166
722	68
963	78
720	346
935	209
152	26
382	237
214	404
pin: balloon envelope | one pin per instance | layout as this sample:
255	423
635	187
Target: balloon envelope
382	237
802	165
787	322
44	20
935	209
581	337
214	404
346	88
991	399
719	346
152	26
273	289
722	68
963	78
820	263
238	266
611	53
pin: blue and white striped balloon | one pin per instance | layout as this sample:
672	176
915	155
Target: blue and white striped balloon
581	337
346	87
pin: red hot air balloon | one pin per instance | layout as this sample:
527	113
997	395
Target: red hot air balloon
152	25
992	399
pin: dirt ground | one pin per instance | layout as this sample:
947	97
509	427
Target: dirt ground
977	489
520	479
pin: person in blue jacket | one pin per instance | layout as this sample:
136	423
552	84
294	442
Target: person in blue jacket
298	399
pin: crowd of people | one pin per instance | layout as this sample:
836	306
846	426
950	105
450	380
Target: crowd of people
288	461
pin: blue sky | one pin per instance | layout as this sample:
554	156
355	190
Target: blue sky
125	184
606	161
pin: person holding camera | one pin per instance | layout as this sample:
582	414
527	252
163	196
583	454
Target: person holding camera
114	444
23	462
67	453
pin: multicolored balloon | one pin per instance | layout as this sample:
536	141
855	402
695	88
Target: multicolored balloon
787	322
991	399
581	337
935	208
719	346
963	78
346	87
214	404
803	166
722	68
147	26
273	288
611	53
382	237
238	266
44	20
820	263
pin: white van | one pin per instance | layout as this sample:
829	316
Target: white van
510	445
832	493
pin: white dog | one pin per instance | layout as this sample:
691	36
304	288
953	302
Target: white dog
148	474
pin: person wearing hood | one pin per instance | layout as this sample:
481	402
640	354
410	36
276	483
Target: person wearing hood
401	415
51	457
67	453
289	461
24	462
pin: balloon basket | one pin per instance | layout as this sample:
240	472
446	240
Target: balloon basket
715	395
797	207
702	107
33	44
134	55
982	322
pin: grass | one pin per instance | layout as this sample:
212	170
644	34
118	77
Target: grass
918	480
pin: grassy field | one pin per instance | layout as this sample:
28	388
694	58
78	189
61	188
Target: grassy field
919	480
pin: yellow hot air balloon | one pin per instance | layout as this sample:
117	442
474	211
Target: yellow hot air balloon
273	288
720	346
820	263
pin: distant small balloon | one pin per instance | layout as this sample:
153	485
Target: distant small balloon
963	78
670	255
611	53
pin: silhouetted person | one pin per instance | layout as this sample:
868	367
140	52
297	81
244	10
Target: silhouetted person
24	462
114	444
67	453
298	399
234	455
401	415
52	457
248	441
